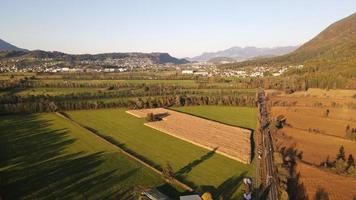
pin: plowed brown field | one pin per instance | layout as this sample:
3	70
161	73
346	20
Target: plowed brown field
230	141
338	187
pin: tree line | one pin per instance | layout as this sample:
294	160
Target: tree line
45	105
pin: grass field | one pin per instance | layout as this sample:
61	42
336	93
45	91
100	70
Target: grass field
196	166
44	156
148	82
237	116
49	91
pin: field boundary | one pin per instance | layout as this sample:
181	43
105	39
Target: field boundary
252	131
320	133
175	181
197	144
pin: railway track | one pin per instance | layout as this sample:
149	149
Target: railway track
270	179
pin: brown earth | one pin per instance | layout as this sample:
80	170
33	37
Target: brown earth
338	187
317	147
305	118
233	142
317	136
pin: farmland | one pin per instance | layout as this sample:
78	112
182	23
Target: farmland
235	116
46	157
203	169
317	125
205	133
337	187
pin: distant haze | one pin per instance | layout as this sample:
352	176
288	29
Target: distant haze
182	28
241	54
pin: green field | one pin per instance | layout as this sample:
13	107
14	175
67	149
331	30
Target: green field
49	91
148	82
237	116
200	168
44	156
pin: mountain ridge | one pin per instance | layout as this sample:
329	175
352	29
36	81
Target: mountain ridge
244	53
5	46
333	49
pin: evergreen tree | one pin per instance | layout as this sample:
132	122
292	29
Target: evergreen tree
341	154
350	161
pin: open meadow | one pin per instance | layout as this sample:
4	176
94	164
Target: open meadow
44	156
236	116
200	168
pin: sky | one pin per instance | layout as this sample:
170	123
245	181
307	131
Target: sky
183	28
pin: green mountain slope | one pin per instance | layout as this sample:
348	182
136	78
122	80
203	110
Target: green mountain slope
332	50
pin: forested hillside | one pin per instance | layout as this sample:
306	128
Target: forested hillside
333	51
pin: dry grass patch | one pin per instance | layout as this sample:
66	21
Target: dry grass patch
337	187
317	147
314	119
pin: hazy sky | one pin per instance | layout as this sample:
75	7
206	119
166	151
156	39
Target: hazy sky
180	27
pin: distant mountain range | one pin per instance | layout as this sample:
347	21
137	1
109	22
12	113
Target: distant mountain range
243	53
8	50
5	46
332	50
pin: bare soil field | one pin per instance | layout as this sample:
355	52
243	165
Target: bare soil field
306	118
316	92
281	100
233	142
317	135
337	187
317	147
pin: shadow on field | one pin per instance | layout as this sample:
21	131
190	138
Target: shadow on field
227	189
123	146
34	163
181	173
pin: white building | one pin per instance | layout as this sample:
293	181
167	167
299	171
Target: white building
65	69
187	71
201	73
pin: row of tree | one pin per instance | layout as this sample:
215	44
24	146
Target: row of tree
341	164
134	103
125	92
350	133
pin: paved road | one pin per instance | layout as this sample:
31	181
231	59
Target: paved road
267	148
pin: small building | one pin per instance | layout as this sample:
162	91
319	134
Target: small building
65	69
201	73
109	70
154	194
187	71
190	197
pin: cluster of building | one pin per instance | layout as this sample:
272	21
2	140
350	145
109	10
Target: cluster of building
127	62
254	72
260	71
